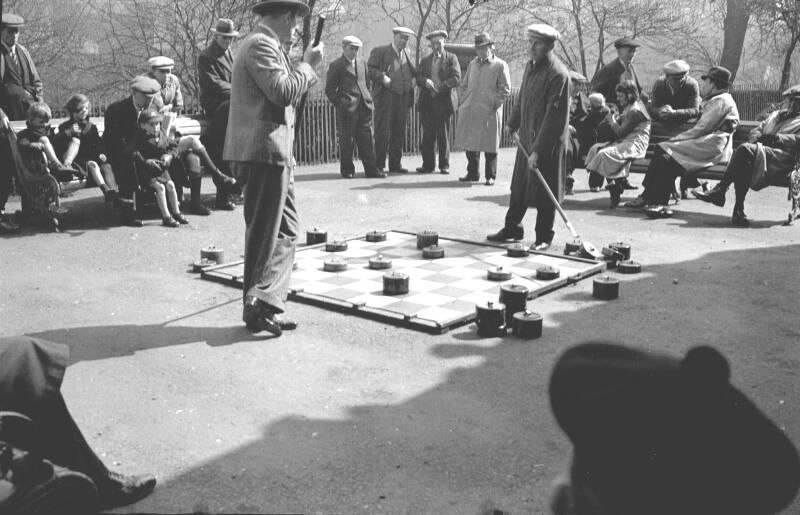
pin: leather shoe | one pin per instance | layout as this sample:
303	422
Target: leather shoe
627	185
505	234
132	221
740	219
224	205
258	317
399	170
197	208
422	169
489	182
377	174
469	178
539	246
9	227
637	203
121	490
180	218
285	323
348	175
444	171
716	196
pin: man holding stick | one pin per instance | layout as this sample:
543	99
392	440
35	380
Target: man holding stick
259	144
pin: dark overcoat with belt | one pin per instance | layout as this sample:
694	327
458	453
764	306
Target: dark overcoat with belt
541	118
445	102
346	87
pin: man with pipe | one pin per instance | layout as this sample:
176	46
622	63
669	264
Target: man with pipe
259	143
540	123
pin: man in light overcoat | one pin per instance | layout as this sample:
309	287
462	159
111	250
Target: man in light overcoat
540	122
259	144
483	91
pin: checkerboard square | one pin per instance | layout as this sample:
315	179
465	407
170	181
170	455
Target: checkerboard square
481	297
440	315
407	308
467	272
429	299
343	293
442	278
414	272
376	300
315	287
472	284
450	291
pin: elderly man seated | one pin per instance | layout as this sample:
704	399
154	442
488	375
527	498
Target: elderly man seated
768	157
706	144
675	100
192	153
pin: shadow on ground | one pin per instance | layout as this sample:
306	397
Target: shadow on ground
483	439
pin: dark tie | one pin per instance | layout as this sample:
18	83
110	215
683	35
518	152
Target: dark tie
14	58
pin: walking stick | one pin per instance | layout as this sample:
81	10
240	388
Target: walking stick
301	106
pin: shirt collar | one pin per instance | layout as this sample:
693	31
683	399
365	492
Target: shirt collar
8	48
396	51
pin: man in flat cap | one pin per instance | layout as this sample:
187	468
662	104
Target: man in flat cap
392	74
661	435
259	143
768	157
709	142
214	65
483	91
675	100
438	75
120	128
347	86
539	122
20	85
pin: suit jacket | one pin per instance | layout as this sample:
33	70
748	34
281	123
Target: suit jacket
345	87
264	90
120	127
380	60
27	76
449	77
214	67
606	79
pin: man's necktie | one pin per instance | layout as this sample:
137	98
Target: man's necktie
14	58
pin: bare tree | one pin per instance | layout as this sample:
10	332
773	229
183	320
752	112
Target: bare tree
779	20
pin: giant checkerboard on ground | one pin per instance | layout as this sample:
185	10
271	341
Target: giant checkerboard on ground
442	292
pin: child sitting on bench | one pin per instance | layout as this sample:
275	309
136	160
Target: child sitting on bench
153	157
35	141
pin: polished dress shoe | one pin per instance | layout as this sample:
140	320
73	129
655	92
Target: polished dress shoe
197	208
469	178
506	234
121	490
539	246
259	317
377	174
637	203
627	185
489	182
739	219
132	221
285	323
715	195
9	227
569	185
224	205
444	171
180	218
399	170
168	221
348	175
594	189
422	169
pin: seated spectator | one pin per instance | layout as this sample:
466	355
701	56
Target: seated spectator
578	109
652	434
79	145
768	157
675	100
595	129
706	144
120	127
192	153
632	131
153	156
31	371
35	144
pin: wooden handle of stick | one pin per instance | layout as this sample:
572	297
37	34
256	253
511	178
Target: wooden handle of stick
549	193
320	24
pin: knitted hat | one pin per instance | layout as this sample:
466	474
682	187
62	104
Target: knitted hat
656	435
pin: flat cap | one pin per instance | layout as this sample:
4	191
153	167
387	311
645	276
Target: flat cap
145	84
675	67
160	61
543	31
626	41
403	30
440	32
352	41
12	20
793	92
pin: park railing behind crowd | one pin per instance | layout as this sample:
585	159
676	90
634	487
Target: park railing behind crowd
317	143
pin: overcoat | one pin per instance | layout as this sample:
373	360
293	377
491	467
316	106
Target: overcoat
778	160
541	117
445	102
606	79
214	65
484	89
710	141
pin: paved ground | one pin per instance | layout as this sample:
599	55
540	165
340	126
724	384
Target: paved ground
347	415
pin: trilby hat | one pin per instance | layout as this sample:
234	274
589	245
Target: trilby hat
225	27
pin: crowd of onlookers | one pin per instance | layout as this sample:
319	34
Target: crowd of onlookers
611	125
140	153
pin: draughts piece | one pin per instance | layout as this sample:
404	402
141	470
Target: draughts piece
427	238
433	252
629	267
498	273
623	248
517	250
199	266
605	287
212	253
334	264
376	236
395	283
491	319
547	273
380	262
336	246
527	325
514	297
316	235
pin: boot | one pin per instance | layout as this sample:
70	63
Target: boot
223	201
212	168
715	196
196	206
739	219
615	190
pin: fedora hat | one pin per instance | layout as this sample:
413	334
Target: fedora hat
661	434
718	74
483	39
225	27
268	5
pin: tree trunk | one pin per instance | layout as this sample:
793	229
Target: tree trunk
786	73
735	26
